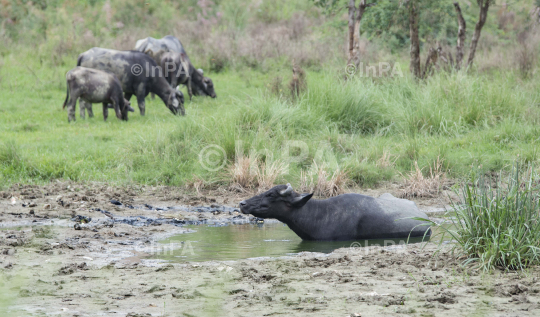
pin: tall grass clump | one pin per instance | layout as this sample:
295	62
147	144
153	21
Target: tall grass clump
353	106
10	154
499	227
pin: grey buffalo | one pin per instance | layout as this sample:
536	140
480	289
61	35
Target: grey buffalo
340	218
174	65
95	86
200	85
138	73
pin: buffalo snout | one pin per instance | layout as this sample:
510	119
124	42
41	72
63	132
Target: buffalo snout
243	205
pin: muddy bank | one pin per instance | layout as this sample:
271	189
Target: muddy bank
367	282
84	250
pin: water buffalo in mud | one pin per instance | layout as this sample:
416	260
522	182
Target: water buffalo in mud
194	80
138	73
95	86
341	218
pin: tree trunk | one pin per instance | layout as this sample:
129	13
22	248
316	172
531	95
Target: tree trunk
484	6
354	44
352	9
461	36
415	41
431	61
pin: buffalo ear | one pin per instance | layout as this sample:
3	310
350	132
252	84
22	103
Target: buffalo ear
301	200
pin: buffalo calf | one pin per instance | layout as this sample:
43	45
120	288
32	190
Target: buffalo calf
95	86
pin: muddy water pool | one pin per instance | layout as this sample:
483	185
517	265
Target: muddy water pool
243	241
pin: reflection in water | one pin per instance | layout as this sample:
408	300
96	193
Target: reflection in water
236	242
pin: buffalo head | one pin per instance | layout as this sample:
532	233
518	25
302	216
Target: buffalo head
176	102
127	104
275	203
209	85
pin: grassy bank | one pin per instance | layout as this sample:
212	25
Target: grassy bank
374	128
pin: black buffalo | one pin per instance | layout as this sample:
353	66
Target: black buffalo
344	217
95	86
138	73
156	48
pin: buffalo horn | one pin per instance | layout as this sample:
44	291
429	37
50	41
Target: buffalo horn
286	191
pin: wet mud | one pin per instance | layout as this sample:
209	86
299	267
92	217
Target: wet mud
70	249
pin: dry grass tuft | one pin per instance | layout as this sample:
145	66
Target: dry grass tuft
242	174
333	185
249	172
418	185
298	84
267	173
306	182
387	160
327	185
526	54
196	183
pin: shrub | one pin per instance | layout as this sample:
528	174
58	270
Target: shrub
499	228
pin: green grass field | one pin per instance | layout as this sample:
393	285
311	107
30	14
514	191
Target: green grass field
488	119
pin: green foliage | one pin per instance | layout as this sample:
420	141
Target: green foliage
330	6
499	227
389	22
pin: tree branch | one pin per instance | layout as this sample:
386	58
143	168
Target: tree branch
484	7
352	22
461	36
415	41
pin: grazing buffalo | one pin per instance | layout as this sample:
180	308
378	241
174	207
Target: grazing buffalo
200	85
344	217
174	67
93	86
138	73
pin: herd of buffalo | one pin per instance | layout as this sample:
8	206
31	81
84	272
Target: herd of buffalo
111	77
